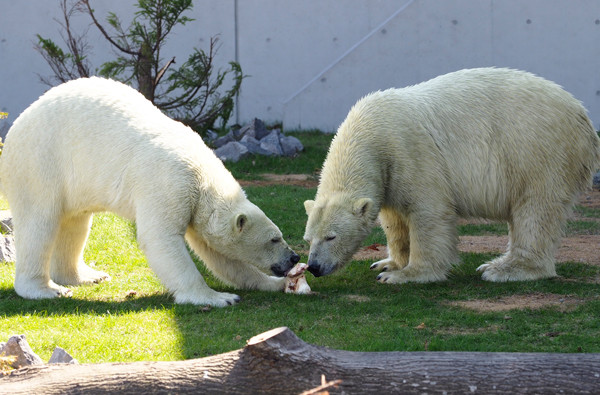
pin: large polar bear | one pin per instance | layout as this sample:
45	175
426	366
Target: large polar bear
93	145
493	143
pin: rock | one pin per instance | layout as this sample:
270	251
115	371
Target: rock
223	140
210	137
271	143
253	146
232	151
8	252
61	356
597	180
17	346
258	140
290	145
6	223
244	131
260	130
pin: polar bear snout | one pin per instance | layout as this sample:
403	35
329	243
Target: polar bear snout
317	269
282	269
314	268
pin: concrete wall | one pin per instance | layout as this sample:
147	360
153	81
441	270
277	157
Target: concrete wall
310	60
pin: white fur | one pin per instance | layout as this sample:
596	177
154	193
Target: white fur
492	143
93	145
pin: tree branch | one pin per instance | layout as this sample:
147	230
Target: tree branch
105	33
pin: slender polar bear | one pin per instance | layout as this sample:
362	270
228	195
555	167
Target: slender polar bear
492	143
94	145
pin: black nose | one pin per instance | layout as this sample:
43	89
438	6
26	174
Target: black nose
295	258
315	269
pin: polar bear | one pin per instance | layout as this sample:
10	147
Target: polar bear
493	143
93	145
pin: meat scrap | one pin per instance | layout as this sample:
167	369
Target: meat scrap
295	281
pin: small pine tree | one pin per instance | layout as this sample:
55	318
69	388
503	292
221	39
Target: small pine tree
192	93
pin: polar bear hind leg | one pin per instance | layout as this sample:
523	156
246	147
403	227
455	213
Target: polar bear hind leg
534	235
67	266
398	241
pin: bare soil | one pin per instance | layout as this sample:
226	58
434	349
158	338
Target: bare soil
532	301
301	180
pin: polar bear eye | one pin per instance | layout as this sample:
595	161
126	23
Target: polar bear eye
329	238
275	239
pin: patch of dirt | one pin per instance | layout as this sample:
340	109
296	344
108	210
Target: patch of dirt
590	199
374	251
584	248
467	331
512	302
301	180
358	298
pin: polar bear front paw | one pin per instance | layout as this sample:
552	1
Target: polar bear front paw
49	291
382	265
405	276
393	277
214	298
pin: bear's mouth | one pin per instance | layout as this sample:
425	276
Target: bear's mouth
318	270
279	271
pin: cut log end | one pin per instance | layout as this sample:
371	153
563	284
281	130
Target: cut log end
268	335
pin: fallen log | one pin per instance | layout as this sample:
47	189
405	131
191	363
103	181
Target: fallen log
278	362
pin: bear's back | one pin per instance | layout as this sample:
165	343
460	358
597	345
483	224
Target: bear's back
493	132
100	141
72	110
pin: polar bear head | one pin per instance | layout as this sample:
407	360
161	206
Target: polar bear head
241	231
335	229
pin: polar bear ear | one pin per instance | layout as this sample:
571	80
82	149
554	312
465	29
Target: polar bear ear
362	206
240	222
308	206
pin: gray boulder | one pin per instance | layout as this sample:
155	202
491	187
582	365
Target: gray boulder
257	140
232	151
6	223
8	252
210	137
244	131
18	347
253	146
260	130
223	140
290	145
271	143
61	356
597	180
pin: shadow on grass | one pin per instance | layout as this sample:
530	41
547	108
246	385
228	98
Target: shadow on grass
13	304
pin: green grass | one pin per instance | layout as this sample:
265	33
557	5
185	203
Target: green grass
350	310
587	211
495	228
132	318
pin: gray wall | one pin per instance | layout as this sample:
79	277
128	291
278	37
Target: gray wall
310	60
